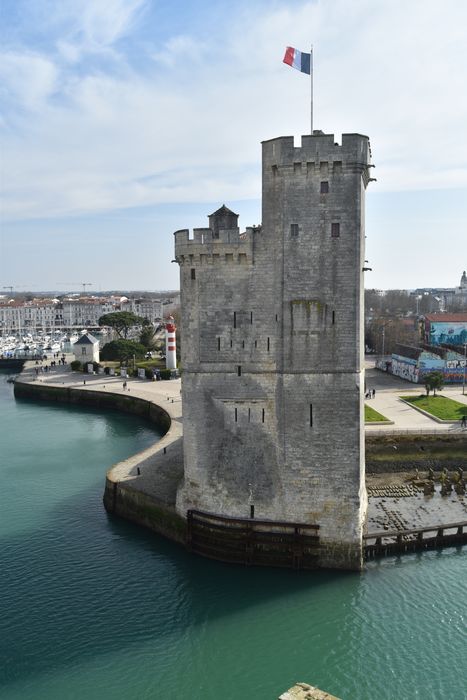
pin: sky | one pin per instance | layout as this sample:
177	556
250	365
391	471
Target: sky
125	120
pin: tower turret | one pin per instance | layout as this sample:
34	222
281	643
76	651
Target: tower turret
222	220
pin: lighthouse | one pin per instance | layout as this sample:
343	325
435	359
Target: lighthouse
170	344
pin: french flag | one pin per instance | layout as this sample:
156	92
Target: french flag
297	59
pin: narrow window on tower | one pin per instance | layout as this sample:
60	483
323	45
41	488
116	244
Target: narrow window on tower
239	370
324	187
262	416
249	415
269	344
294	230
218	343
335	230
193	273
251	316
311	414
256	344
235	319
243	344
236	415
333	317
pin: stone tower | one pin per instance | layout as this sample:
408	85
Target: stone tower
272	356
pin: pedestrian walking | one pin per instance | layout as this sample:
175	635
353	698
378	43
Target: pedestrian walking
124	385
374	393
464	421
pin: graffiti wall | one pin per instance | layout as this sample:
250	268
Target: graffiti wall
452	333
405	368
450	375
416	370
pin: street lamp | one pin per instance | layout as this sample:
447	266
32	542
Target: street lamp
383	331
465	363
417	298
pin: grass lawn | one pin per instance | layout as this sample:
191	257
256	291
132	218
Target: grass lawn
439	406
372	416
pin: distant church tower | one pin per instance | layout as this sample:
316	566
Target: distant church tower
272	353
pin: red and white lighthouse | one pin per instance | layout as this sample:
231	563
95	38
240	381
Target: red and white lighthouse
170	344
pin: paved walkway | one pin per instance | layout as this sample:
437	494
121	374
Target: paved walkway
387	402
164	393
167	394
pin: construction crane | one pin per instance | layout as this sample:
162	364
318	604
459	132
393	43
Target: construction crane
16	286
83	284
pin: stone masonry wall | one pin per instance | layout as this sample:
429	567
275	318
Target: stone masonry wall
273	350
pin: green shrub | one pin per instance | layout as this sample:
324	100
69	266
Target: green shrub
76	366
106	370
122	350
166	373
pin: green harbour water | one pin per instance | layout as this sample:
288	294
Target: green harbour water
93	607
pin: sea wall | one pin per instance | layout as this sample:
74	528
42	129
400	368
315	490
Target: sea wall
126	492
96	399
142	509
396	453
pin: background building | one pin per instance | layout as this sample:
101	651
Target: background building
446	328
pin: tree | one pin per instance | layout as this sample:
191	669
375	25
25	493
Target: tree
121	322
147	337
122	350
396	330
433	381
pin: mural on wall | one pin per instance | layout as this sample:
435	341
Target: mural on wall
450	375
405	368
416	370
452	333
455	364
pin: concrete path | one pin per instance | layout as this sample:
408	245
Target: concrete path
164	393
167	394
387	402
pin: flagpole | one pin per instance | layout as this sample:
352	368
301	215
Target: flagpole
311	75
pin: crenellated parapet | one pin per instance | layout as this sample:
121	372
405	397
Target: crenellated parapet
205	247
318	154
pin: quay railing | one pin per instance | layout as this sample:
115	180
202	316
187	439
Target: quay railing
253	541
398	541
452	427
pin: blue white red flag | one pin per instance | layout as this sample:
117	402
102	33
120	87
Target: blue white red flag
297	59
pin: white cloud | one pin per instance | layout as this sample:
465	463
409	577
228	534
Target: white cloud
91	27
183	49
189	127
103	23
27	78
